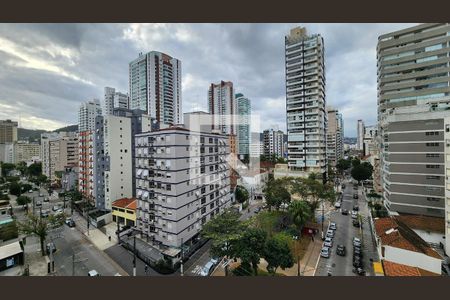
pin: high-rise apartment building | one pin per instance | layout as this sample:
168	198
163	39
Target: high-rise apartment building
243	111
8	131
113	99
273	142
222	106
86	143
155	86
305	102
183	181
335	136
58	151
7	153
413	98
89	110
360	135
25	151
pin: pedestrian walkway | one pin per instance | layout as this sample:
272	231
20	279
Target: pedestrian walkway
94	235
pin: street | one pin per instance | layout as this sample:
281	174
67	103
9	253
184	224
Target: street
343	265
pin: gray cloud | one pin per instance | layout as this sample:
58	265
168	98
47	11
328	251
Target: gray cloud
47	70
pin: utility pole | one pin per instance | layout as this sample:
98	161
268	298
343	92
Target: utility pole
134	255
323	218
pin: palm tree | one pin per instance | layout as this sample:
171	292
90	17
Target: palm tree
300	213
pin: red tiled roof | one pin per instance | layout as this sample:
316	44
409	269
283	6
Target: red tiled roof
426	223
394	269
128	203
393	232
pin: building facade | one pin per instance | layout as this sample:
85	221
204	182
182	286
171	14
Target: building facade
243	111
113	99
273	143
305	102
369	140
183	181
87	113
7	153
25	151
58	151
335	136
360	135
222	106
155	86
413	102
8	131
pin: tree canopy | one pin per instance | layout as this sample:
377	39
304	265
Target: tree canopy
362	171
277	253
241	194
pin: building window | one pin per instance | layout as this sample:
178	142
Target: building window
432	166
434	199
432	144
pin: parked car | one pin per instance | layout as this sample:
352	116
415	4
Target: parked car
356	242
356	224
38	203
357	252
51	247
337	204
340	250
359	271
330	233
30	191
69	222
343	186
328	242
59	211
355	196
257	210
93	273
354	214
46	199
333	226
207	269
55	207
325	252
41	195
344	212
44	214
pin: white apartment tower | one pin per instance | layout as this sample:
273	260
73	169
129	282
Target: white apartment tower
273	142
360	135
87	113
305	102
155	86
113	99
222	106
243	111
335	136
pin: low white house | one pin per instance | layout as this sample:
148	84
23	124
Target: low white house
254	180
398	243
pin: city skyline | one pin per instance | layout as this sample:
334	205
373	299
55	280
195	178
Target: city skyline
57	67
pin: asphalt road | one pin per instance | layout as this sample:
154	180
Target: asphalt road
70	241
343	265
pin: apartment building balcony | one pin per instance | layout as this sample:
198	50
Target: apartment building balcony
293	70
299	81
298	44
309	53
289	89
295	76
292	64
294	51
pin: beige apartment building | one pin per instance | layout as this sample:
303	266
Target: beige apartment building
59	150
8	131
335	136
25	151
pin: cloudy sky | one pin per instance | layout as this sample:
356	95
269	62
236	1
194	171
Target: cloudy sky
47	70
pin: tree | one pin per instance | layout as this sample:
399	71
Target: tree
241	194
276	194
15	189
9	231
278	254
300	213
40	226
342	165
355	162
26	187
23	200
362	171
35	169
22	167
250	247
224	230
6	168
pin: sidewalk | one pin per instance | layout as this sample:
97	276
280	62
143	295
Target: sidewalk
94	235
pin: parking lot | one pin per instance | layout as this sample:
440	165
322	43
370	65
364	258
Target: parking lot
337	265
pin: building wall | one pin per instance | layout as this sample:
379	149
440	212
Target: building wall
273	142
335	132
87	113
174	197
243	124
8	131
128	215
305	101
26	151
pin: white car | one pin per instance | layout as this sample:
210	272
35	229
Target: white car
356	242
93	273
328	242
330	233
354	214
333	226
207	269
337	205
325	252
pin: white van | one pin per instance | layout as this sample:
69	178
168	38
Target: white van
207	269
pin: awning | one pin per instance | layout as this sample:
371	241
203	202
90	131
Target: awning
378	268
10	250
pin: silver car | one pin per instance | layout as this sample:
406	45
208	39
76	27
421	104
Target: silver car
325	252
328	242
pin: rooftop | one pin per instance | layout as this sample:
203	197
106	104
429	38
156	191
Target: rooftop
129	203
393	232
426	223
10	250
395	269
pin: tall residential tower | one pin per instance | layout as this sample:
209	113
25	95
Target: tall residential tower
305	102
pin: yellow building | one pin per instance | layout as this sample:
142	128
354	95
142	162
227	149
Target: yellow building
124	211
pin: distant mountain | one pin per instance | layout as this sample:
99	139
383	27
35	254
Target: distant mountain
350	140
34	135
